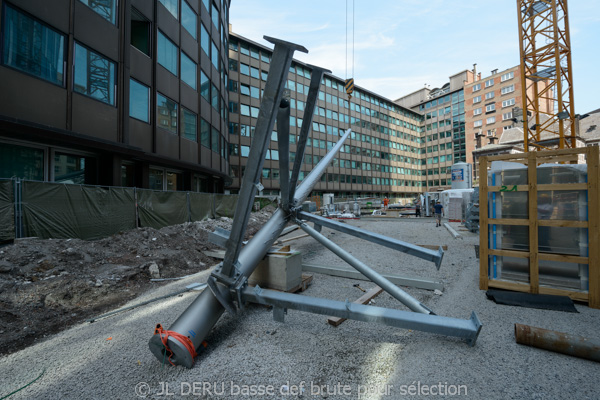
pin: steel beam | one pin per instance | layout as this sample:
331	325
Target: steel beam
373	275
281	61
283	142
309	109
395	244
465	329
352	274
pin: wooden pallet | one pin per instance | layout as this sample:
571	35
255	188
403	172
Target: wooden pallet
364	299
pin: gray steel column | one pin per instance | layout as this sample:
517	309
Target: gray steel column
395	244
376	277
309	110
283	142
278	72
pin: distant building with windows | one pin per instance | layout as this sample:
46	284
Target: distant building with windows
115	93
385	155
443	129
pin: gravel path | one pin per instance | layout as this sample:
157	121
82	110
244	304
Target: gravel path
251	355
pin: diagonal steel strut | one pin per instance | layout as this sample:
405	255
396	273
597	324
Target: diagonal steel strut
395	244
309	111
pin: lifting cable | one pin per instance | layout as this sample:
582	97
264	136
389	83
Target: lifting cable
349	83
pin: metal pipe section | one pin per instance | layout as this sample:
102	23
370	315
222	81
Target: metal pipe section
464	329
312	179
572	345
283	140
309	110
201	316
376	277
395	244
281	61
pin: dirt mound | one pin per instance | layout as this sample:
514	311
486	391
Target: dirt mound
47	285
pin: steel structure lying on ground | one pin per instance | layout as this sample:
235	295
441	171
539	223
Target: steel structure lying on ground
228	282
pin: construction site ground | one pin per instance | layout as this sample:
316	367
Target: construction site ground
249	355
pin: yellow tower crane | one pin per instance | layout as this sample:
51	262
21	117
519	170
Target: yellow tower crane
546	75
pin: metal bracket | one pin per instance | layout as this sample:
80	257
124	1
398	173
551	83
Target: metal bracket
225	302
236	290
259	186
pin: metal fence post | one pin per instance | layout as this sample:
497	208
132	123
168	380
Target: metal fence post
18	207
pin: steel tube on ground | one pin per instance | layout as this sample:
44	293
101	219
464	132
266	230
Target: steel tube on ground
559	342
376	277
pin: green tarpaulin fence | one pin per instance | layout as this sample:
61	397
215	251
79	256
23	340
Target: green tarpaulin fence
7	212
71	211
201	206
160	209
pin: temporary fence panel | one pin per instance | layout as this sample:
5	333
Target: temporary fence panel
225	205
52	210
201	206
160	209
7	211
539	223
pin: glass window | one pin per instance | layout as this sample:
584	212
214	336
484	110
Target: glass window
204	40
477	87
508	102
507	76
32	47
244	69
214	55
214	14
167	53
107	9
489	82
189	19
254	73
214	143
508	89
69	168
21	162
254	92
140	32
188	70
477	123
166	113
206	4
214	97
506	116
188	125
204	86
490	120
170	5
490	107
477	111
139	101
156	179
476	99
204	133
489	95
233	65
94	75
245	89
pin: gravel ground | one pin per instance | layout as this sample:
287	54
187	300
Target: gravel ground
251	353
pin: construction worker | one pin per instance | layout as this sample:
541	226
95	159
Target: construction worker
439	209
385	203
418	210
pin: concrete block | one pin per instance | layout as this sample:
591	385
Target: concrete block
278	271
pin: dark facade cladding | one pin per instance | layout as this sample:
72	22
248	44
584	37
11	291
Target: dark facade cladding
385	154
115	92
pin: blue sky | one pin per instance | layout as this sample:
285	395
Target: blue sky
400	45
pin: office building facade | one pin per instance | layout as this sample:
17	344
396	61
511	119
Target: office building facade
384	155
115	92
